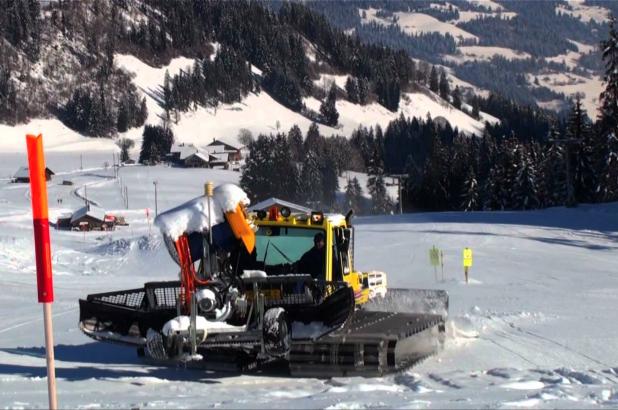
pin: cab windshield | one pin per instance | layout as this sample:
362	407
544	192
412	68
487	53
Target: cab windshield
280	245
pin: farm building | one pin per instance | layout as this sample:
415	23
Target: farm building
87	218
232	153
197	160
23	175
181	151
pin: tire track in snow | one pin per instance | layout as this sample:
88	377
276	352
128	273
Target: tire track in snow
513	352
32	321
561	345
522	337
77	194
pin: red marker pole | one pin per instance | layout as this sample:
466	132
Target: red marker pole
45	287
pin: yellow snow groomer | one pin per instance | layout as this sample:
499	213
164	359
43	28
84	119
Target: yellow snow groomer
273	284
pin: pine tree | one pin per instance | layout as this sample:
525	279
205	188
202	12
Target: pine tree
475	110
434	190
295	140
525	190
434	84
125	145
143	113
363	90
282	165
457	97
444	86
381	204
578	129
351	88
122	121
330	181
552	182
490	190
156	142
168	101
328	109
311	179
607	188
471	200
354	195
257	178
313	141
609	96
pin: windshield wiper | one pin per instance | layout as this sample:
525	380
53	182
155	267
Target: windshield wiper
282	254
266	253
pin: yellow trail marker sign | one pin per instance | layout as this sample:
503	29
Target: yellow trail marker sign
434	256
467	258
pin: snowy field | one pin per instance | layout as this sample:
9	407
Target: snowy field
535	327
414	23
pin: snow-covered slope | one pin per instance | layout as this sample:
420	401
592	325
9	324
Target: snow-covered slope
485	53
480	47
535	327
260	113
570	84
585	12
56	137
414	23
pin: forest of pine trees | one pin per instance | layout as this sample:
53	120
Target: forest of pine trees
528	161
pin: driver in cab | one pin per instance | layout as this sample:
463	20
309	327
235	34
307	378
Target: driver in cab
313	261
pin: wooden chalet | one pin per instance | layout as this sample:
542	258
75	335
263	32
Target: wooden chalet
23	175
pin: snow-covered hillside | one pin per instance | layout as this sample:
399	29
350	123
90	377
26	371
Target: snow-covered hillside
535	327
414	23
258	113
478	44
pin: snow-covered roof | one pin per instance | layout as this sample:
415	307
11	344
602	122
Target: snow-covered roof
201	155
227	146
267	203
185	150
23	172
89	210
219	157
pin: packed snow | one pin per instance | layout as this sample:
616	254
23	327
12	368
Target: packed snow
534	327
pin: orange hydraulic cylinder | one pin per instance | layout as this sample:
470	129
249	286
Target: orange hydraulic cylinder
240	226
38	189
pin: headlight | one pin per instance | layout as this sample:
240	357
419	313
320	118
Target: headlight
206	300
